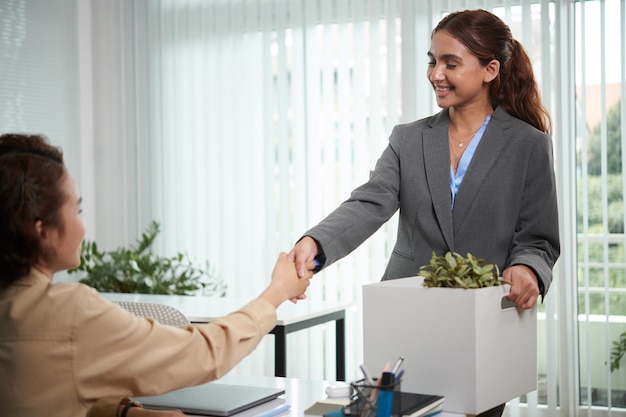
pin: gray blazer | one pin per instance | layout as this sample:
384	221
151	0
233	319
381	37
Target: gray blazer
505	211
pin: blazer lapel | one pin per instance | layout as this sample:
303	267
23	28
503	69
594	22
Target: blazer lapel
437	163
491	145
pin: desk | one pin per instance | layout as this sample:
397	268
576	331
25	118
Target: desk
300	394
291	318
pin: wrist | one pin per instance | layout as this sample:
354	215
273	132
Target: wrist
274	296
126	405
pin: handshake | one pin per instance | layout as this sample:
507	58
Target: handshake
287	282
292	272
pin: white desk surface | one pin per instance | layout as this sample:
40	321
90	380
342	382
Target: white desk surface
300	394
203	309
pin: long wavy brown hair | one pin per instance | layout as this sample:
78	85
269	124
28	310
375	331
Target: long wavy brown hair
515	88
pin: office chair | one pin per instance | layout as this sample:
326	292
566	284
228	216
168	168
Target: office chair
160	312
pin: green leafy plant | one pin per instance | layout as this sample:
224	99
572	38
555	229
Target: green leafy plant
138	270
617	353
455	271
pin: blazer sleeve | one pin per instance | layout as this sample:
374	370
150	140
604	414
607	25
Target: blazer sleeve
366	210
536	239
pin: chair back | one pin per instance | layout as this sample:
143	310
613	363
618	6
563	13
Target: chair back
160	312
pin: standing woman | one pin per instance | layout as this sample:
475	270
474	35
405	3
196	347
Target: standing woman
63	348
476	177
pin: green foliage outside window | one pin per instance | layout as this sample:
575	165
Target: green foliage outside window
599	192
614	144
618	351
594	200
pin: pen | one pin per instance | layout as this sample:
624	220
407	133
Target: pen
368	377
399	375
373	398
396	367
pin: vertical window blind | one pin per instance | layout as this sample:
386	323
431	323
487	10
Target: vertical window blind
36	46
263	116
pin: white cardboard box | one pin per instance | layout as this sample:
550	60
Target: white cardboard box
459	343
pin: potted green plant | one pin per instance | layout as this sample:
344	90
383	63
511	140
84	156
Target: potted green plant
137	269
455	271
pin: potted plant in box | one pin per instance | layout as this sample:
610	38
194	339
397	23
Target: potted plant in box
455	271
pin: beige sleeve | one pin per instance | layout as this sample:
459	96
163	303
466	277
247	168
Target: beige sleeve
121	355
107	407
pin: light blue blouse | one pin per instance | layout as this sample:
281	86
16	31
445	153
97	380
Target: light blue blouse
456	180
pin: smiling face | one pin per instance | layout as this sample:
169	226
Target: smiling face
63	243
457	76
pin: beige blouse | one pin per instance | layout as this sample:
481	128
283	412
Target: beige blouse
63	347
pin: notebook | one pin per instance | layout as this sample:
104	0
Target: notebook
405	404
416	405
212	399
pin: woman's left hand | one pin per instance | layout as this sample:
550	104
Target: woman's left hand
524	286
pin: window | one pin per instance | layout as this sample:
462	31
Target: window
601	254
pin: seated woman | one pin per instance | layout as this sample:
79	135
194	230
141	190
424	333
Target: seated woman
62	346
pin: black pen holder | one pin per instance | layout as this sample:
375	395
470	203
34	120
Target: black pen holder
365	397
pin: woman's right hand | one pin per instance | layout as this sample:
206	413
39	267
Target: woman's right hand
286	284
